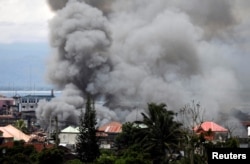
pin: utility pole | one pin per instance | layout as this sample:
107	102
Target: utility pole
56	135
50	127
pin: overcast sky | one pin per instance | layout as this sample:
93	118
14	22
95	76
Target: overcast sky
24	43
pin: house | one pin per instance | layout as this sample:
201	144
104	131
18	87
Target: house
10	134
68	136
211	131
107	134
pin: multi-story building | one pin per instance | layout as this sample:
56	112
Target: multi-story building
30	102
8	112
21	107
27	106
6	105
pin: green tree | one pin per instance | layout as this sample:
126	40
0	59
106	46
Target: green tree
53	155
87	147
73	161
162	135
190	116
20	124
19	153
232	143
128	136
106	159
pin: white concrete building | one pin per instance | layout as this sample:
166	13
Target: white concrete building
68	136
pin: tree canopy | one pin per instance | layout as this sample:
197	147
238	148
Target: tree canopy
157	134
87	142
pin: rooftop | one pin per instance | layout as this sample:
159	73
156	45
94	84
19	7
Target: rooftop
112	127
208	125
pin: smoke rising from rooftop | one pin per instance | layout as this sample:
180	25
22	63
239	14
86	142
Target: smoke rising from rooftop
130	53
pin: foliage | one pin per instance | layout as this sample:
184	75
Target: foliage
20	158
128	136
132	160
232	143
73	161
229	143
191	115
55	133
19	153
129	156
53	155
27	154
162	134
133	156
198	159
87	147
20	125
156	137
106	159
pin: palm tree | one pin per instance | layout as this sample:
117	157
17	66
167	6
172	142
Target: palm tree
20	124
162	134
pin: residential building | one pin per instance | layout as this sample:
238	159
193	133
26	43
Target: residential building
211	131
68	136
9	134
107	134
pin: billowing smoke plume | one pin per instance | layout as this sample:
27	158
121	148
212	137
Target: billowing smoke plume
80	38
130	53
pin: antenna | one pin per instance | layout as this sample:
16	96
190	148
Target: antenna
136	113
30	85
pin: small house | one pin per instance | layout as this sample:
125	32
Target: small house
211	131
107	134
68	136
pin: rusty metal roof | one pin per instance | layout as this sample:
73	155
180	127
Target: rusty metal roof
112	127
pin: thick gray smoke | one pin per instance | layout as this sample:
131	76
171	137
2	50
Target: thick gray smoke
130	53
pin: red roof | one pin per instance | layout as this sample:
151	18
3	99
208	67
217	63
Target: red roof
112	127
205	126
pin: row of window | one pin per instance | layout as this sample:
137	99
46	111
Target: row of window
29	101
32	100
28	106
